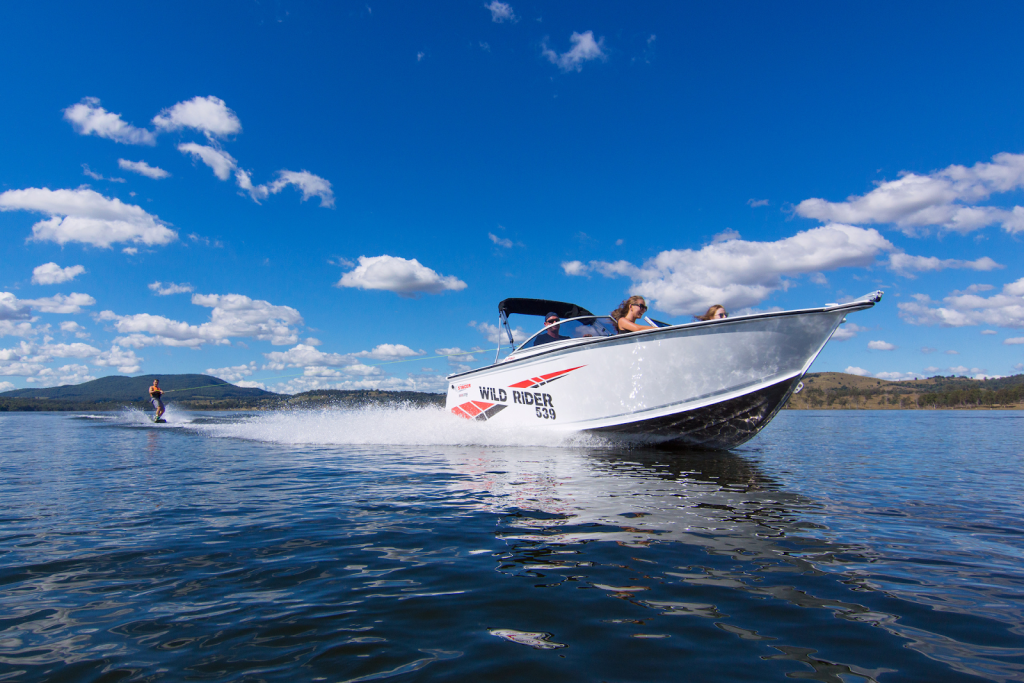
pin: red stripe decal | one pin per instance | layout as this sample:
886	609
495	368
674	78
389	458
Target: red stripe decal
527	383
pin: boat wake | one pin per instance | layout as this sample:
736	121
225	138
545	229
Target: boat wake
412	426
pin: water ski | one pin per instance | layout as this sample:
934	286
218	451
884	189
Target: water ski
160	420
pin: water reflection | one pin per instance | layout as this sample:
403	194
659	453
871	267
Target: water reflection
553	505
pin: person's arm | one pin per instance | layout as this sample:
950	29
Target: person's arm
627	326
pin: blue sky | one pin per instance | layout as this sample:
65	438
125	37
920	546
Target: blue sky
300	195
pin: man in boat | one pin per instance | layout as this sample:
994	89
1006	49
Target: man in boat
154	395
550	334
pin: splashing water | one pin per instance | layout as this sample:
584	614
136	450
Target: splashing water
391	425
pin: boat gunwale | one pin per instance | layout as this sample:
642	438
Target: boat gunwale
860	304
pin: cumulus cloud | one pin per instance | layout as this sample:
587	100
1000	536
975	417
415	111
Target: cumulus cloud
738	273
310	185
309	357
142	168
960	309
305	355
898	376
233	373
854	370
584	49
389	352
13	308
501	12
89	118
405	277
160	289
67	374
456	355
52	274
222	163
208	115
233	315
848	331
1014	340
6	386
86	216
495	335
946	199
71	327
905	264
881	346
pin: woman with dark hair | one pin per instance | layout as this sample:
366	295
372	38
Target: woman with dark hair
716	312
626	314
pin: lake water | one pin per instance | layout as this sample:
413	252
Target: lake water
404	545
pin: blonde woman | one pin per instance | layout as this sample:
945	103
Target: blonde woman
716	312
626	314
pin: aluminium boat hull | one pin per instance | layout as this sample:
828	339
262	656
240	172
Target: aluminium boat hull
712	384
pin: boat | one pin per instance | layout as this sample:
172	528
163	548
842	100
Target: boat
710	384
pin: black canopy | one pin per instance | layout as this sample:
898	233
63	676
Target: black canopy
541	307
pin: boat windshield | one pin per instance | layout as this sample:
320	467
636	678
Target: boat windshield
575	328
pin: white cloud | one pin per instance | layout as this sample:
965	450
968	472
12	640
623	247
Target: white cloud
989	332
881	346
944	199
222	163
89	118
1014	340
960	309
390	352
584	49
501	12
160	289
247	384
13	308
575	268
736	273
233	373
898	376
67	374
848	331
52	274
22	329
757	202
931	369
456	355
131	251
310	185
88	217
233	315
501	242
905	264
206	114
71	326
48	352
495	335
405	277
305	355
142	168
854	370
6	386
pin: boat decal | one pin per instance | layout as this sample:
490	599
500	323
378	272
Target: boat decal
478	410
543	379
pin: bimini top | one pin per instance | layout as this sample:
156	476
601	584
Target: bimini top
541	307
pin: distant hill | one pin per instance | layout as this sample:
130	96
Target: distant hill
194	392
117	388
823	390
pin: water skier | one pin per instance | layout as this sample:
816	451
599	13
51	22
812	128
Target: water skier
154	395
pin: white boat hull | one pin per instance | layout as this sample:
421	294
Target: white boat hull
713	384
